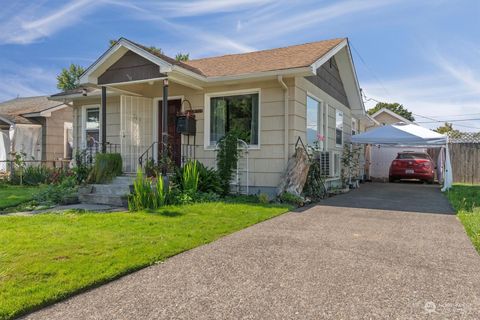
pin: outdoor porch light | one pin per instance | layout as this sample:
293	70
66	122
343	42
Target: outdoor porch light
84	92
165	82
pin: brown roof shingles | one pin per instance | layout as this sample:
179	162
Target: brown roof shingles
13	110
296	56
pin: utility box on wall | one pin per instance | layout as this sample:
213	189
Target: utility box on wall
186	124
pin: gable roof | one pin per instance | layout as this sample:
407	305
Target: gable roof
391	113
303	56
19	109
291	57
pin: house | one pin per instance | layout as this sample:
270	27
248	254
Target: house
386	116
36	126
272	97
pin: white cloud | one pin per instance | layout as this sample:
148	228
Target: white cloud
439	97
202	7
22	81
27	23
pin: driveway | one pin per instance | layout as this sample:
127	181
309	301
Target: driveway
382	251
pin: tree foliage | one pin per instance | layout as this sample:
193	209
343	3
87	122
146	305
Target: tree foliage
446	128
395	107
182	56
69	79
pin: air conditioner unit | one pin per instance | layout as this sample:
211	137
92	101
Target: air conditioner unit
325	163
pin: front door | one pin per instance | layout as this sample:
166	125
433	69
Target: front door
174	138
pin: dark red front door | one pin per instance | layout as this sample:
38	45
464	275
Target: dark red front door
174	138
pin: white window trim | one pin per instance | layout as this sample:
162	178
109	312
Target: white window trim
354	121
343	123
207	111
84	123
333	174
321	123
66	127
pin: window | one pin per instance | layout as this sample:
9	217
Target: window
339	128
238	113
312	120
92	126
354	127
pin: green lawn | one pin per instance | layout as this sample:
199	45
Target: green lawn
11	196
466	201
48	257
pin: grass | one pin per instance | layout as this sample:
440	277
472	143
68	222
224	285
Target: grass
48	257
466	201
11	196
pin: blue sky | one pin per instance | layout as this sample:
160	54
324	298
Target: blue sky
423	54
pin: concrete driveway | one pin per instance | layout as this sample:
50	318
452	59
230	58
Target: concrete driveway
383	251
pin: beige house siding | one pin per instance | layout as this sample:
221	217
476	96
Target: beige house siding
266	164
385	118
53	135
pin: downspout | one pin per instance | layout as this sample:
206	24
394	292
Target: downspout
286	118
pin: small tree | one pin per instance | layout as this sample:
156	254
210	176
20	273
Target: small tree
182	56
395	107
227	157
69	78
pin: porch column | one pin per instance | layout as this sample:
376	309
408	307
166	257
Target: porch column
165	127
104	120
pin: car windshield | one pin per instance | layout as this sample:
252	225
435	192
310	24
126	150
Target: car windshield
413	156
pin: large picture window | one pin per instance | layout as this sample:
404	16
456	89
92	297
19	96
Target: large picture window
236	113
92	126
339	128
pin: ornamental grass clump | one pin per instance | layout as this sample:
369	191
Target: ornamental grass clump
142	197
190	177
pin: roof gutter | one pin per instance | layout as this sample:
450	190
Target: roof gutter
286	119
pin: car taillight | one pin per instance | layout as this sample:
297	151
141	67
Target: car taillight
395	163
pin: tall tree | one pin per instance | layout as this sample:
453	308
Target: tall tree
395	107
69	78
182	56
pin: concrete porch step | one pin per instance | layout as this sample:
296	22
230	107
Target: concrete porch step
113	193
111	189
93	198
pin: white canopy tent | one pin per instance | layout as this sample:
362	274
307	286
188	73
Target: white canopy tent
401	134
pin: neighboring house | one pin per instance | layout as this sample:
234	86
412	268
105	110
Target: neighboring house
386	116
36	126
272	97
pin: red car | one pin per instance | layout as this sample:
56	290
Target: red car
412	165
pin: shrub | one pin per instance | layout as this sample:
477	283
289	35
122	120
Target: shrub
227	157
63	193
106	167
314	186
82	167
33	175
263	198
208	180
291	198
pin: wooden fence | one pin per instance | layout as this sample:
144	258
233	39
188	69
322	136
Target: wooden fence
465	158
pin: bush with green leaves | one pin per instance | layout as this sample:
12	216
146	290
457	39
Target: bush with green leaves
106	167
315	185
82	168
63	193
208	179
147	195
291	198
227	157
33	175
